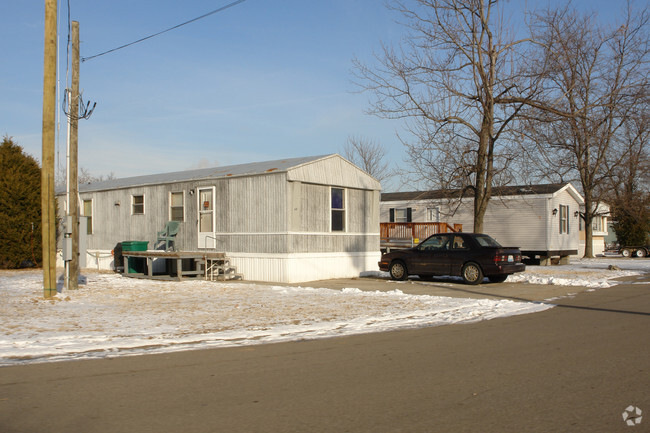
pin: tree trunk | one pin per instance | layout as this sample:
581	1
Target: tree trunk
484	163
481	196
589	217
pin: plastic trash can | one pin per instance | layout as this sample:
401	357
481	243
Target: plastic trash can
136	265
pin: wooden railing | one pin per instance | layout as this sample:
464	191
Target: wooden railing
392	234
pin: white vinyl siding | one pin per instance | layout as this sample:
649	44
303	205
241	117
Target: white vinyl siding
525	221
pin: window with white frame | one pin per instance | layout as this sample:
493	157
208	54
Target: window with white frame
338	210
176	206
433	214
137	205
598	224
564	219
400	215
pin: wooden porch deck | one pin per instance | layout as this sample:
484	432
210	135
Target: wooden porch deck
207	264
407	235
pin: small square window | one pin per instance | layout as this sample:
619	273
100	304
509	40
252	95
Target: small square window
433	214
401	215
138	205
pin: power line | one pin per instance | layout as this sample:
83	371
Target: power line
229	5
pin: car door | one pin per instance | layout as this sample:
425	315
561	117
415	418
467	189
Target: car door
431	256
459	252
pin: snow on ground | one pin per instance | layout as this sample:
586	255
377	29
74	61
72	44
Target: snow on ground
592	273
112	315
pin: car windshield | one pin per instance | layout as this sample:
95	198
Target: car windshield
486	241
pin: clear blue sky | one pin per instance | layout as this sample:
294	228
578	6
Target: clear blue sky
261	80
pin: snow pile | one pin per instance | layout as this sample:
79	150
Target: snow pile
592	273
114	315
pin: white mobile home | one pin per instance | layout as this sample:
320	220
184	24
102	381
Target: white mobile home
542	220
288	220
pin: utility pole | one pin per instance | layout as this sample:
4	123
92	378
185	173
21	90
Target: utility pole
48	215
73	187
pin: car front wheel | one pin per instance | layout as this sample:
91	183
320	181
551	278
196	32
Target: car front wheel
398	270
472	273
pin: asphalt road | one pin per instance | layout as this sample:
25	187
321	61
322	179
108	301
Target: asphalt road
573	368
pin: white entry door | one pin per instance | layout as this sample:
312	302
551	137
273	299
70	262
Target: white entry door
206	217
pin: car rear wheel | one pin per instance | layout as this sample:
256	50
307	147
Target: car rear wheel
497	278
472	273
640	252
398	270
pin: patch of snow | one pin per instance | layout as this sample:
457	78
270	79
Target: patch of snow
591	273
114	315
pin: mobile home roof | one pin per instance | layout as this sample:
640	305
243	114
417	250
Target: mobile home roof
547	189
255	168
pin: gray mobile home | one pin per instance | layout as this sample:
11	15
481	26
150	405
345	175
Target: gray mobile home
542	220
287	220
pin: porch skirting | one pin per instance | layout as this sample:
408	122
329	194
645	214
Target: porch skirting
280	268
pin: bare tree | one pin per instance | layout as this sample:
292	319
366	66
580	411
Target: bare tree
594	82
451	80
83	177
367	155
629	192
86	177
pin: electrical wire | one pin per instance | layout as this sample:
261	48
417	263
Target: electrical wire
229	5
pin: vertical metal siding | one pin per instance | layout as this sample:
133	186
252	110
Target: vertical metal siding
257	214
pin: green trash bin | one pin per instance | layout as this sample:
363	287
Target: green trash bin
136	265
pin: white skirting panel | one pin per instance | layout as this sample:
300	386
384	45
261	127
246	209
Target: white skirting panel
280	268
95	259
598	246
297	268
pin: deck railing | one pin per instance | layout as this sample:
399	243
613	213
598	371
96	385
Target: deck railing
414	232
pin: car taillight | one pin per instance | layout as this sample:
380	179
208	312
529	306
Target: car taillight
508	258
